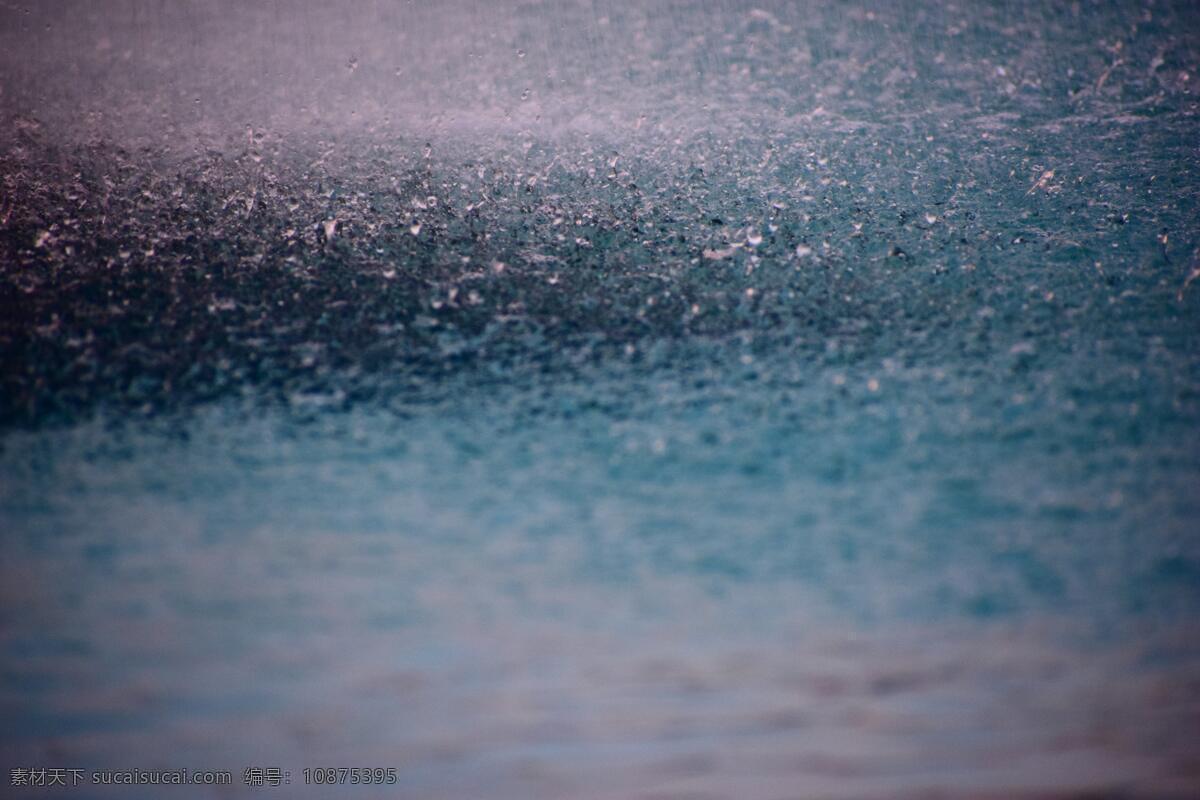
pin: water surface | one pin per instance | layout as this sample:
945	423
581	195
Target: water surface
582	400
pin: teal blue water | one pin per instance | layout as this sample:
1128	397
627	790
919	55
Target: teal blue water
589	401
743	576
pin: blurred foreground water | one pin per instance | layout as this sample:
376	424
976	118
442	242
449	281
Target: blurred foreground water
585	400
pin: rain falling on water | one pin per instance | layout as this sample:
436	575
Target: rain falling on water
603	399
